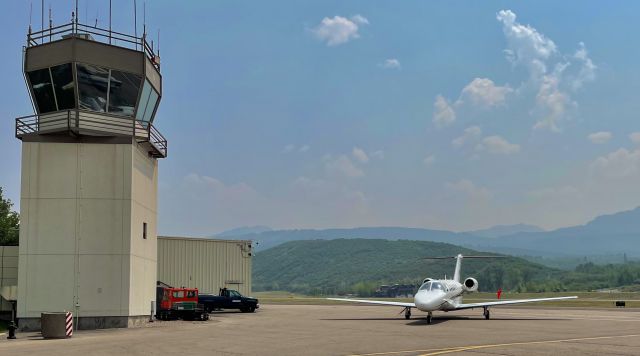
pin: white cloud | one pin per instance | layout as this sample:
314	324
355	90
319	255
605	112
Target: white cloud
552	104
341	166
359	19
483	92
288	148
497	145
470	135
467	189
360	155
587	70
429	160
327	199
618	164
600	137
443	113
635	137
391	63
338	30
304	148
379	154
525	45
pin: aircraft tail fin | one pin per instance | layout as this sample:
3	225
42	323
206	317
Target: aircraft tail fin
459	257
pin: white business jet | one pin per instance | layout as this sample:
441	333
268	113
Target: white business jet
446	295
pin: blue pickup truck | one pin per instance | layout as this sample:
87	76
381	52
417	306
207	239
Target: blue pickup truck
228	299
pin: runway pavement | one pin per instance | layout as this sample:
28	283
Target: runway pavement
361	330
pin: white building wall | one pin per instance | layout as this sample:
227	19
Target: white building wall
80	212
206	264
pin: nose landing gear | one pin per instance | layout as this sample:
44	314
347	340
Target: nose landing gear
486	313
407	313
429	317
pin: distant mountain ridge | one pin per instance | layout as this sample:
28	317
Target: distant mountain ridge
244	230
505	230
607	234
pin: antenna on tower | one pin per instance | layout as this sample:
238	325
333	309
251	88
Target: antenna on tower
75	16
135	20
109	21
30	15
144	19
42	18
50	22
158	42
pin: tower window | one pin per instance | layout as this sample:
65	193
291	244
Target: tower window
42	90
144	230
92	84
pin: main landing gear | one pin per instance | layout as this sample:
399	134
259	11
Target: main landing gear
407	313
486	313
429	317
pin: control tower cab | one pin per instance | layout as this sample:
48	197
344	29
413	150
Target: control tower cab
88	201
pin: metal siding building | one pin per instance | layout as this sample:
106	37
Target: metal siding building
205	264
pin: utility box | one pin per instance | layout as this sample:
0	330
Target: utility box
54	325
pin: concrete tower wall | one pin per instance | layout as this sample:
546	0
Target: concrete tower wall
82	249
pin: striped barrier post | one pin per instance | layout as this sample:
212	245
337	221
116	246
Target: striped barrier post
69	324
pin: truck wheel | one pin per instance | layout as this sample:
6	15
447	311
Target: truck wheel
252	309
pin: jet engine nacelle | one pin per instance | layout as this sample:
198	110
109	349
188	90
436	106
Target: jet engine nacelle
470	284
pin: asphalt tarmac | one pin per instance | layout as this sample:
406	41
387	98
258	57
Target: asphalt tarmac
360	330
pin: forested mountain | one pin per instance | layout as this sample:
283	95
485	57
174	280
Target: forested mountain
356	265
341	266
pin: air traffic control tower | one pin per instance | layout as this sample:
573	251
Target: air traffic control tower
89	177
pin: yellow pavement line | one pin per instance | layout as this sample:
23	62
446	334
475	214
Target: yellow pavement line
466	348
431	352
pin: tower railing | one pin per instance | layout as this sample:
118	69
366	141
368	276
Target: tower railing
80	122
76	29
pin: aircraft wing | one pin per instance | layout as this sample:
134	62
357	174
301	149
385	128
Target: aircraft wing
377	302
506	302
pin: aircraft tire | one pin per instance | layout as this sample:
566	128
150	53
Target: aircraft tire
429	317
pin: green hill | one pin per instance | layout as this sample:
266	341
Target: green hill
359	265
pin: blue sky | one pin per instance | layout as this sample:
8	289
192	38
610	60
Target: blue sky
442	114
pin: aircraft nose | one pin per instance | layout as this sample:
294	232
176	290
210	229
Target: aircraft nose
429	301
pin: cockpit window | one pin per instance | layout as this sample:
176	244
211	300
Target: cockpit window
426	286
436	286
